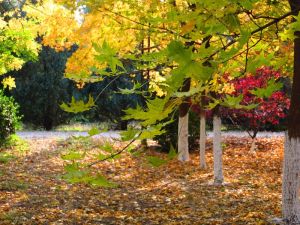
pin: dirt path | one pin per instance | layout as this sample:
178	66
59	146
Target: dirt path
116	134
63	134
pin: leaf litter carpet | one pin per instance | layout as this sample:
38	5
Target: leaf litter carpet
32	191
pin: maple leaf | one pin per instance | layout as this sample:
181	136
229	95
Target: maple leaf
78	106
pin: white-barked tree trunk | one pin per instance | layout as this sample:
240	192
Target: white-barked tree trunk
202	140
183	135
217	151
291	180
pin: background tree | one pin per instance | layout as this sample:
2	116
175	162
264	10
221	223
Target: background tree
41	88
17	46
271	107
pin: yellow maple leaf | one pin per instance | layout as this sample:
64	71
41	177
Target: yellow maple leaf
188	27
9	82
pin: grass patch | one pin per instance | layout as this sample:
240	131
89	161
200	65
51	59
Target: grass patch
16	145
13	185
6	157
14	217
12	148
10	216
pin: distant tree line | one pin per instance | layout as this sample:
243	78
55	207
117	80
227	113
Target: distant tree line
41	88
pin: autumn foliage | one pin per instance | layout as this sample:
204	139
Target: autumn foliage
270	109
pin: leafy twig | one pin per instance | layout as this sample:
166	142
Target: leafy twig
115	154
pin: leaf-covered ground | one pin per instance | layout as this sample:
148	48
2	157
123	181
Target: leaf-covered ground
31	191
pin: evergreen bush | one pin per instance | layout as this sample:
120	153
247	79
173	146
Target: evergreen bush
9	118
41	88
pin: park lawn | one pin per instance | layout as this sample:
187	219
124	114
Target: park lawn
32	191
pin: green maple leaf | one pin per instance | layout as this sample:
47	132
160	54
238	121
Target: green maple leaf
266	92
156	161
78	106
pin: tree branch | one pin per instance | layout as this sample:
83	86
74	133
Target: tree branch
260	29
115	154
139	23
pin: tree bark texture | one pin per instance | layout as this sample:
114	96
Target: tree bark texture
217	151
183	133
291	165
202	140
183	125
290	181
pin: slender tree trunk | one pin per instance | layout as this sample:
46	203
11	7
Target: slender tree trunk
202	140
291	165
183	126
253	145
183	133
217	151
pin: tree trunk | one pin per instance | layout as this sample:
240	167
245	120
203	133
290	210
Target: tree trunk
217	151
183	126
202	140
253	147
122	125
253	144
291	165
183	133
144	144
253	137
48	118
291	183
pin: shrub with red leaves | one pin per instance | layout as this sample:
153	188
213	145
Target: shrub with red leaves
269	110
